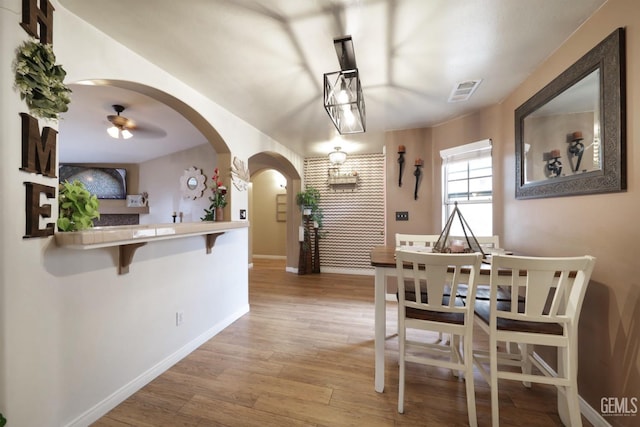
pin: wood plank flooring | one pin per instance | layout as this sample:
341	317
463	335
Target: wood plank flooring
304	356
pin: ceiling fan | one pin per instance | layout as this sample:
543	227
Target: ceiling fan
121	126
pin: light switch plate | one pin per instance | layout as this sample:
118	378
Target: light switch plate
402	216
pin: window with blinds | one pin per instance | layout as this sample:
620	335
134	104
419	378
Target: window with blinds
467	178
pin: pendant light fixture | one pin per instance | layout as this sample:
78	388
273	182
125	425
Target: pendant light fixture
343	98
337	157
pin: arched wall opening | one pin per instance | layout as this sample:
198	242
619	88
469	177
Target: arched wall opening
269	160
150	105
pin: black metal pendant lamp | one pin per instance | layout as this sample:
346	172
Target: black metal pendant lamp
343	98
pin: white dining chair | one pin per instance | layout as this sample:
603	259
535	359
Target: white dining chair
542	307
427	240
489	242
406	241
427	302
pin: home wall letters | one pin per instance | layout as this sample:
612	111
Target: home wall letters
34	19
38	151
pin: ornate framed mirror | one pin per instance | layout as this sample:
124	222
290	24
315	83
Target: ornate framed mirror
192	183
571	136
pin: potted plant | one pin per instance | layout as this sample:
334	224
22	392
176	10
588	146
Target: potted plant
3	420
308	202
77	207
218	199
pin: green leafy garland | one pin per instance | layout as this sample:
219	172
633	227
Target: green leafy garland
40	80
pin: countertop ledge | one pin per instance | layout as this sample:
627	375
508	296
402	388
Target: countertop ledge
101	237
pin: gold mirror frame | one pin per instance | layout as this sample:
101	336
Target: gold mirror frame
192	183
608	57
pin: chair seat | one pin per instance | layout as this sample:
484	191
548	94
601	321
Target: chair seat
434	316
483	311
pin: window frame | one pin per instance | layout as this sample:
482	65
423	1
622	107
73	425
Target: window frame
465	153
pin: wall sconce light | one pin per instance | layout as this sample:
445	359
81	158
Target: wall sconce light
417	173
576	148
337	157
343	98
401	151
553	167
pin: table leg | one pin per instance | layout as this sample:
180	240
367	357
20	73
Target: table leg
380	287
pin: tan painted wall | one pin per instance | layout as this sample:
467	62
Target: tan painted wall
268	235
605	226
417	143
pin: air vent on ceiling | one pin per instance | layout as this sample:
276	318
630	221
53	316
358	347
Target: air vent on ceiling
463	90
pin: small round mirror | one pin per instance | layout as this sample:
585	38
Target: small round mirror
192	183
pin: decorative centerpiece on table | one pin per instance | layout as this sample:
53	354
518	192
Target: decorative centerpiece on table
218	199
467	243
40	80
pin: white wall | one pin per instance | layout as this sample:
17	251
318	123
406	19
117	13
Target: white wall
161	179
77	338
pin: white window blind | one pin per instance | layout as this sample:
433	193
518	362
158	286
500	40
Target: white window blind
467	177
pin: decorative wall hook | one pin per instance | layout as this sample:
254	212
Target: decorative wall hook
576	148
553	167
417	173
401	151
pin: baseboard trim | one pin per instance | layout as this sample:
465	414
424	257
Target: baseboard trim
587	410
120	395
354	271
291	270
269	256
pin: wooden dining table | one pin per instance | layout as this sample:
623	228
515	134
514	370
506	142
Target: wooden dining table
384	263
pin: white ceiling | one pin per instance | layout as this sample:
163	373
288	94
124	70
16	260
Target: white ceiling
264	60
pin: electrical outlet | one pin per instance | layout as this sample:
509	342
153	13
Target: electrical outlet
402	216
179	317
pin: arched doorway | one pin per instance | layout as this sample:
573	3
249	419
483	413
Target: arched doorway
273	161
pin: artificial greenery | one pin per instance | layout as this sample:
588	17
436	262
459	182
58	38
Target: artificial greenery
3	420
78	207
310	199
40	80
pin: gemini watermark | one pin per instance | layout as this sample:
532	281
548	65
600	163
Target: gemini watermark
619	406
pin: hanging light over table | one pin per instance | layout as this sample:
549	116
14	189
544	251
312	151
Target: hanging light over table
343	98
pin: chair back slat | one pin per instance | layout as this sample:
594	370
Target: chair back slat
416	239
539	284
435	279
553	288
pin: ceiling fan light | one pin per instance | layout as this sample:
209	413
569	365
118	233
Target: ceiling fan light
126	134
113	132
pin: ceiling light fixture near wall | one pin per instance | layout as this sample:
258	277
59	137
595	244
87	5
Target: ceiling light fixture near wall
120	125
337	157
343	98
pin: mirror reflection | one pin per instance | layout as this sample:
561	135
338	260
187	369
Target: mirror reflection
192	183
570	136
562	137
